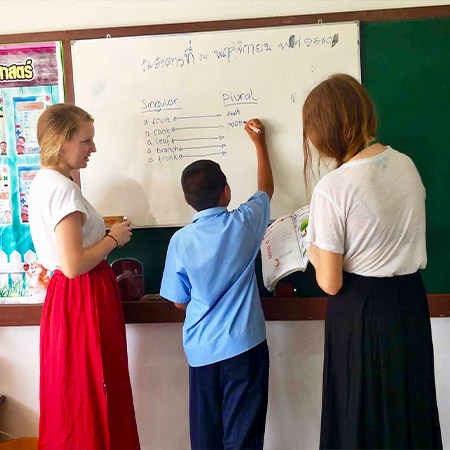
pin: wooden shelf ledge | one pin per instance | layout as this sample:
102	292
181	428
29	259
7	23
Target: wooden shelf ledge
153	309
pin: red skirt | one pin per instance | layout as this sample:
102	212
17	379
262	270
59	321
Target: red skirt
85	393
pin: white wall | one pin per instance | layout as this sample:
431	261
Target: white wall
157	363
18	16
159	376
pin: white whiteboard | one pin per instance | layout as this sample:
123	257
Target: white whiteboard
161	102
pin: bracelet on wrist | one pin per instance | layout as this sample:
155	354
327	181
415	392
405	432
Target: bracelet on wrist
112	237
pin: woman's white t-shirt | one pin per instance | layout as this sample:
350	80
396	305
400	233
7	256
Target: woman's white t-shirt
52	197
372	211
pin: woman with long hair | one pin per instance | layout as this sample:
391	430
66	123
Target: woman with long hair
367	232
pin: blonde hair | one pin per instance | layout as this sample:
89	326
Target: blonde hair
56	126
339	120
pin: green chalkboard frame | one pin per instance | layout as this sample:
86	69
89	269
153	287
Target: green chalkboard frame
405	66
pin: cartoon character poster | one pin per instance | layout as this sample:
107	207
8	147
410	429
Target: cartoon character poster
26	114
3	146
31	79
25	177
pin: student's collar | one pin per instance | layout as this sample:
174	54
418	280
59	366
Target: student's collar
216	211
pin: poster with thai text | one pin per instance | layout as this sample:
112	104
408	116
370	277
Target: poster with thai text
31	79
26	114
26	175
3	146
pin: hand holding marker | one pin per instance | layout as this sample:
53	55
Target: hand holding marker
256	131
253	128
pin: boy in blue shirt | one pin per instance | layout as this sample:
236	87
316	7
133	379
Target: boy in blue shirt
210	272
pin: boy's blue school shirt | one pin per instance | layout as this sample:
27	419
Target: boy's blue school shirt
210	263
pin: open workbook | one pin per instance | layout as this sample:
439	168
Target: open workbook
283	249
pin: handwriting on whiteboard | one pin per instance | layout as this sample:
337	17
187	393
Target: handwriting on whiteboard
172	136
235	50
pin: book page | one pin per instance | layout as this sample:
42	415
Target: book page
300	219
280	252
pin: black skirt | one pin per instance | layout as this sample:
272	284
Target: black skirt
378	381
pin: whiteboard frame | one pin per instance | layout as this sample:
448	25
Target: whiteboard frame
186	33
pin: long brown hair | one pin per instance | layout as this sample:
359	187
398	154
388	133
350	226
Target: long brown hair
338	120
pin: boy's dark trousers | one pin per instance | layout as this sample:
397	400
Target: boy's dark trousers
228	402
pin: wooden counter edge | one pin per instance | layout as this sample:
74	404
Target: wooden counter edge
153	309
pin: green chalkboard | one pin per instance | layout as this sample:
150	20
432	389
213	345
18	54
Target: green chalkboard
405	66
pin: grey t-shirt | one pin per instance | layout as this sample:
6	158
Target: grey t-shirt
372	211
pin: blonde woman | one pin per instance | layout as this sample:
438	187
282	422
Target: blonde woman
85	392
367	228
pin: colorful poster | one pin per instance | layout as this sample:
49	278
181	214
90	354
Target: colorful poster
5	197
3	145
36	64
25	176
26	114
31	79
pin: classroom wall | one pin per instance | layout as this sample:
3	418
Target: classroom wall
157	363
19	16
159	376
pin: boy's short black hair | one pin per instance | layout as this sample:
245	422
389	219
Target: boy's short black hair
203	183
